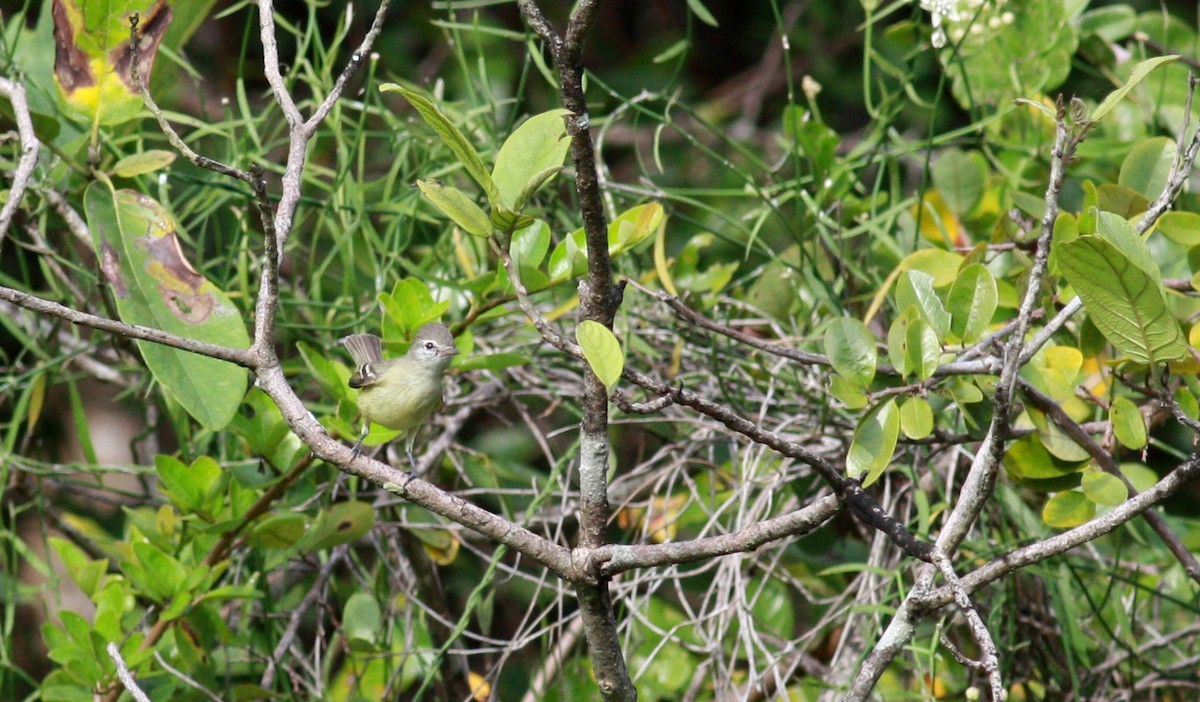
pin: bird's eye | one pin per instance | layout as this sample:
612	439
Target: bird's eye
429	345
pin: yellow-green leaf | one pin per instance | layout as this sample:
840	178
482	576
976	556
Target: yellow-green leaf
874	442
1104	489
850	347
456	205
916	418
602	351
530	156
1128	423
451	137
142	162
1068	509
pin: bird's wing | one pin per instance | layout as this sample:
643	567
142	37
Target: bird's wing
365	350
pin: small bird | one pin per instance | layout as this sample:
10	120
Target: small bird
399	393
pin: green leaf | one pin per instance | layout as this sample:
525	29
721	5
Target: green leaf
406	309
92	69
451	137
143	162
1068	509
1128	423
702	13
961	178
851	349
362	618
1121	287
898	340
569	258
527	249
633	226
916	288
848	392
154	285
1138	74
1140	475
163	573
1187	402
943	265
340	523
458	206
1027	458
530	156
874	442
281	530
1147	167
1180	227
602	351
916	418
972	301
1104	489
188	486
1111	24
88	574
922	348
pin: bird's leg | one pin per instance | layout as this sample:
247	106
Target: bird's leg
357	448
408	448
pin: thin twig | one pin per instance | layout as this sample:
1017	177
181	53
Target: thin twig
124	675
1108	464
48	307
15	93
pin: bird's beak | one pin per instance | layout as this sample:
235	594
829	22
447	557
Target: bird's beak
450	351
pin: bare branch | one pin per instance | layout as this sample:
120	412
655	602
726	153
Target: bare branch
613	559
29	152
42	306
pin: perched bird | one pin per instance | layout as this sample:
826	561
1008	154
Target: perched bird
400	393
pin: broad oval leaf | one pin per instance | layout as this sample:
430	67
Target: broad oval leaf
1147	167
361	619
874	442
961	178
1068	509
916	288
1104	489
1180	227
340	523
898	340
1121	287
923	349
1128	423
156	286
602	351
530	156
850	347
456	205
916	418
848	392
972	302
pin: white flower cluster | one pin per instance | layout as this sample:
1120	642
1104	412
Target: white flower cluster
965	18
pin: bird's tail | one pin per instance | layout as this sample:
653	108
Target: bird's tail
364	349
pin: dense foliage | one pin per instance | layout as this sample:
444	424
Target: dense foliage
901	349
